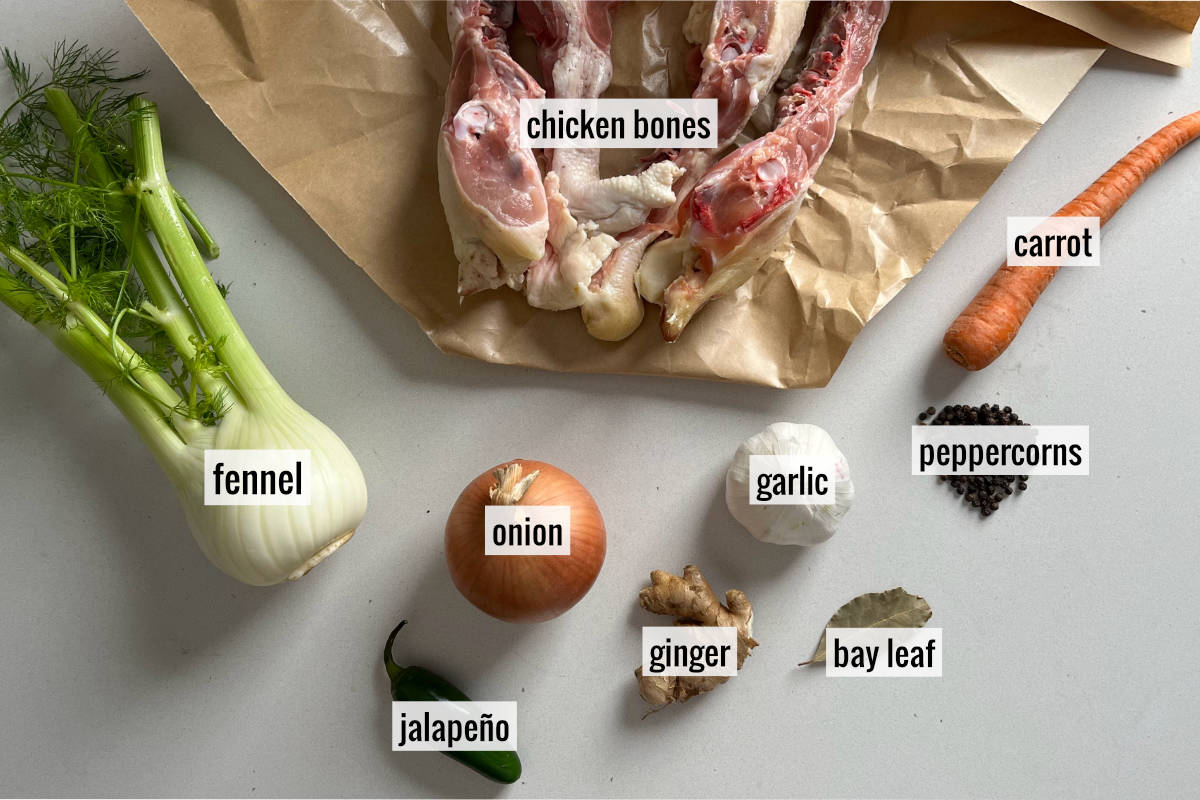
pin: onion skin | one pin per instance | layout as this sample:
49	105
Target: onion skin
525	588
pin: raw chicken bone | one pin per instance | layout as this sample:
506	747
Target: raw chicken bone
748	45
491	187
741	210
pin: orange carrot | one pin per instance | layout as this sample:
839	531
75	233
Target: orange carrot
990	322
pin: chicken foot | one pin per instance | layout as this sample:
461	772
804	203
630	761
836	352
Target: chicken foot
574	37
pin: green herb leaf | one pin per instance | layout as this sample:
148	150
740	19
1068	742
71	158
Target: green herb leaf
894	608
68	212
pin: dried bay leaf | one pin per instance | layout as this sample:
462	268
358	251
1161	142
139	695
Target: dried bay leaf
894	608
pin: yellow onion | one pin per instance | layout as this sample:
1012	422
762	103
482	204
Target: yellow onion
524	588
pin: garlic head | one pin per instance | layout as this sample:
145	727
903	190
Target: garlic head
788	524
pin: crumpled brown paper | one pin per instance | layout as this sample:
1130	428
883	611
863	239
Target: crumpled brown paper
1161	29
341	101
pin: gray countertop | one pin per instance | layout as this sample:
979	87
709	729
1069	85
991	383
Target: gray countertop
130	666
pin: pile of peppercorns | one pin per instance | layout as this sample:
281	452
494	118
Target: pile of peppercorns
981	491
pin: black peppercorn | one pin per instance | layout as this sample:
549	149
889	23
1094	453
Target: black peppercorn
984	492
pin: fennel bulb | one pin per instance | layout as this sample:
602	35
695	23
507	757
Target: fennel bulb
262	545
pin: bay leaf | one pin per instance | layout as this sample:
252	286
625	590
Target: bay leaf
894	608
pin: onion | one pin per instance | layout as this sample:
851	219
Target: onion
524	588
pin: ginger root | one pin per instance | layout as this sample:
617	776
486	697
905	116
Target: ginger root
692	602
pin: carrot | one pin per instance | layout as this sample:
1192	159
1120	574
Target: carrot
990	322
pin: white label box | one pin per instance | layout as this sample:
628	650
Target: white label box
689	650
445	725
792	480
527	530
1053	241
1000	449
883	652
619	122
257	477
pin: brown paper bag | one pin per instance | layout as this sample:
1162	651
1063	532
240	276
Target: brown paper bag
341	103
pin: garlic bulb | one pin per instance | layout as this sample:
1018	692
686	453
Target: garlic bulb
788	524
